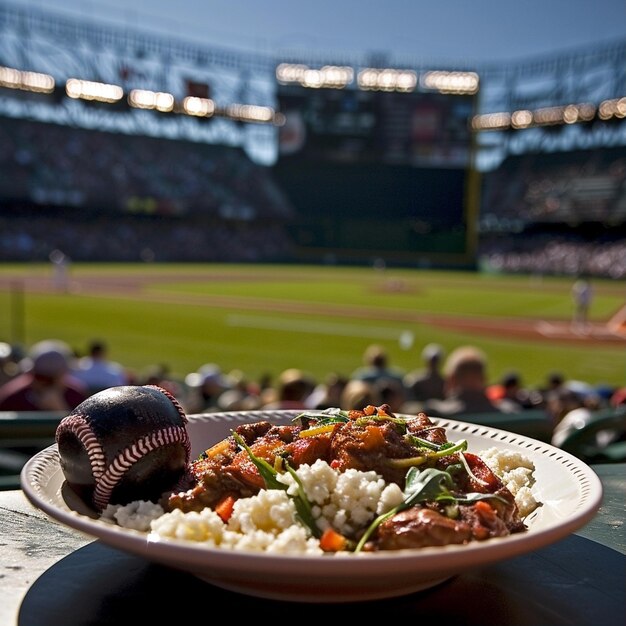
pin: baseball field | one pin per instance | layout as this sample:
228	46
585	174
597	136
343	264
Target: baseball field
262	319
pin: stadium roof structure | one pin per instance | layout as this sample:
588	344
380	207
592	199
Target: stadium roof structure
37	40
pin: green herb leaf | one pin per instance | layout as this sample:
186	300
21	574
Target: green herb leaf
419	487
418	442
303	506
427	485
468	498
321	418
429	455
268	473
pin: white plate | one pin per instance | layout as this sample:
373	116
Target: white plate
570	493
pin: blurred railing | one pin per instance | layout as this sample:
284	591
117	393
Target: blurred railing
23	434
534	423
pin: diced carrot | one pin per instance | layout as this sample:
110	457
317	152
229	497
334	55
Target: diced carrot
221	447
224	508
332	541
484	507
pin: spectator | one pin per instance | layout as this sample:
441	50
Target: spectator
160	374
327	395
579	433
511	396
10	356
427	383
292	390
357	394
242	395
560	402
205	388
391	392
555	381
376	366
465	373
618	397
46	383
97	372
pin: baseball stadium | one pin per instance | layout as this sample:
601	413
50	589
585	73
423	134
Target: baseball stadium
196	208
303	334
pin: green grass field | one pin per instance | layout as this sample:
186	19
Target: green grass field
263	318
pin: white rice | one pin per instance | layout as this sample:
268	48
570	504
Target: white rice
137	515
517	472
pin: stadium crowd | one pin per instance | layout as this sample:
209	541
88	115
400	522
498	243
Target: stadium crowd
112	197
51	376
557	187
556	213
549	254
133	239
54	165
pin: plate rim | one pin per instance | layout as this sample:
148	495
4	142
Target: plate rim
36	476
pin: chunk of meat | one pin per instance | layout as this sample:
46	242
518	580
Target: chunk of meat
483	520
422	426
369	446
419	527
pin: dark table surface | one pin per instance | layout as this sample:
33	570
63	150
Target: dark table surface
54	575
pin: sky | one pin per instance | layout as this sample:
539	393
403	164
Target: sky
472	31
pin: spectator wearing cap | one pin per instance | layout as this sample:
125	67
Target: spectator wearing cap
46	383
205	388
427	383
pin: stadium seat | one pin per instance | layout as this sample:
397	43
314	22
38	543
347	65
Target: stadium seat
600	439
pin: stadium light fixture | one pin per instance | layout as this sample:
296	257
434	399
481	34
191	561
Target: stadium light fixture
152	100
328	76
491	121
387	79
25	80
573	113
199	107
249	113
450	82
521	119
79	89
548	116
612	108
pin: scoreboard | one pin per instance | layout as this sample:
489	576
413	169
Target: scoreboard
418	129
376	174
